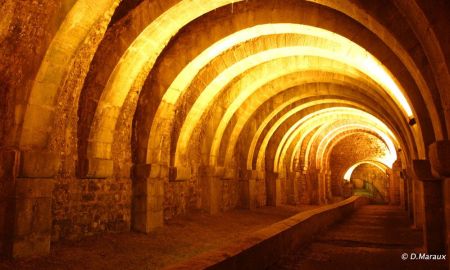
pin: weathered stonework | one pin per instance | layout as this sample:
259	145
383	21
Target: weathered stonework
83	207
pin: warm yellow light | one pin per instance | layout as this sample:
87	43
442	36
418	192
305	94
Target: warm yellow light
262	149
342	113
140	57
255	103
388	159
74	30
275	126
377	163
230	73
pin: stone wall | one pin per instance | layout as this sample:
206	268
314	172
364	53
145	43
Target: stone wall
83	207
373	176
180	196
350	150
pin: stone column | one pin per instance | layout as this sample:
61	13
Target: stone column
418	202
293	190
211	188
304	191
9	162
394	183
281	188
33	217
148	196
95	168
439	153
328	184
321	180
273	188
260	192
434	230
409	194
403	190
30	227
247	179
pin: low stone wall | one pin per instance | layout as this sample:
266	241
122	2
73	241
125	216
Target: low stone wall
265	247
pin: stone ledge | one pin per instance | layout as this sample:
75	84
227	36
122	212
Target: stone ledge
39	164
278	239
439	153
152	171
422	170
179	174
34	188
95	168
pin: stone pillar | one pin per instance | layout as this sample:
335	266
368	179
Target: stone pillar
148	196
403	190
261	193
409	194
315	187
293	190
33	217
281	189
30	227
439	153
211	188
321	180
418	202
273	189
329	194
434	230
247	179
9	168
394	183
304	192
95	168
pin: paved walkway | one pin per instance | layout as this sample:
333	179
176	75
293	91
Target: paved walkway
374	237
180	239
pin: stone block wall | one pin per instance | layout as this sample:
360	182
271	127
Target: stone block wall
82	207
374	176
180	196
230	194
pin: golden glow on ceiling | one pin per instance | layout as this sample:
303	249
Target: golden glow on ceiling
141	55
340	112
212	90
74	30
377	163
323	145
275	126
274	88
389	158
284	141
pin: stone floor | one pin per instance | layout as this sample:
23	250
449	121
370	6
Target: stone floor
179	240
374	237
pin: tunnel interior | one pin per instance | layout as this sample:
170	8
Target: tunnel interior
123	116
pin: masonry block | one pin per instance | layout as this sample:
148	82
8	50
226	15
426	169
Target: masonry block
32	217
95	168
147	209
439	153
179	173
39	164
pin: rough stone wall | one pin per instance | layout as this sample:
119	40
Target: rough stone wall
179	196
230	194
83	207
350	150
26	30
374	176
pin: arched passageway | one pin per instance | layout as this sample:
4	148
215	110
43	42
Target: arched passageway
125	115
